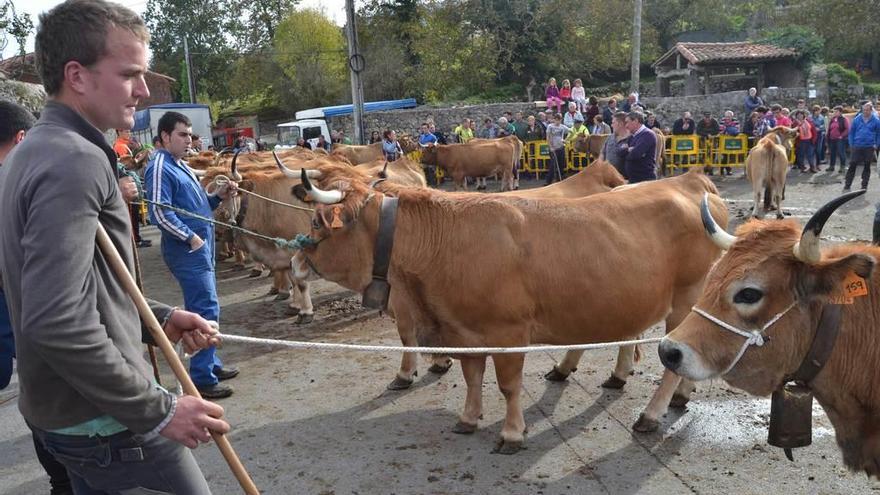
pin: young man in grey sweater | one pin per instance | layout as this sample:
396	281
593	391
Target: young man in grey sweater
85	388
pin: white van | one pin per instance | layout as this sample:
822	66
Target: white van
308	129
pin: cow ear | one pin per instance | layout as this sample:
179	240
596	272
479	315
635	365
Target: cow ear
299	191
827	279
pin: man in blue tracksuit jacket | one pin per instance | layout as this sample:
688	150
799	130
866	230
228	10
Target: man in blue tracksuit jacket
187	242
864	138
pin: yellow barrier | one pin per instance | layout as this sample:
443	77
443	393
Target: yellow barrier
575	160
537	157
729	151
684	152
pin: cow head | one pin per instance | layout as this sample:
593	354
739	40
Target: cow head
772	277
343	229
407	143
784	136
582	143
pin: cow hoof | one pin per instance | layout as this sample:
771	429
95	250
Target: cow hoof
779	215
645	424
282	296
463	428
613	382
506	447
292	311
273	291
303	319
555	375
255	273
678	401
399	384
438	369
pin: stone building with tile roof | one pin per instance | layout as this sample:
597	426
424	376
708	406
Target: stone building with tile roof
698	63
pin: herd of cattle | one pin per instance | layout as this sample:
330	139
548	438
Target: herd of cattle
588	259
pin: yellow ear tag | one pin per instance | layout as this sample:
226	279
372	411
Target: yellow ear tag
336	223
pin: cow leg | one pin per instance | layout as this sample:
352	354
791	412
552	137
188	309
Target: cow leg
305	311
472	368
624	367
564	368
758	193
671	383
282	284
777	202
410	360
509	369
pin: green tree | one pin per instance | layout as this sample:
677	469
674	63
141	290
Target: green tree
205	25
310	50
850	32
19	26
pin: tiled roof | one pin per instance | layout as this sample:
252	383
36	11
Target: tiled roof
705	53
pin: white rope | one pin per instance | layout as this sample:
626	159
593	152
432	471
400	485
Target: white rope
754	337
427	350
221	181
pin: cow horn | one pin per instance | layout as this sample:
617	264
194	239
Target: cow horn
384	173
719	236
197	172
235	175
314	174
326	197
807	249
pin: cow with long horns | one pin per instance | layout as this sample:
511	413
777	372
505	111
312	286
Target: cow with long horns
762	312
614	273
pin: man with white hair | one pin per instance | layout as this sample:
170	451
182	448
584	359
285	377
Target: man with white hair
753	101
571	115
631	101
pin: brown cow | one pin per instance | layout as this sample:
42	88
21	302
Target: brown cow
572	300
775	272
478	158
598	177
356	154
766	168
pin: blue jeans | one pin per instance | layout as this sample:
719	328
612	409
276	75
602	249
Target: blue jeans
820	146
125	463
838	149
805	154
7	344
194	272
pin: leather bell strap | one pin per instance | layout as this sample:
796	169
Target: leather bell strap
385	238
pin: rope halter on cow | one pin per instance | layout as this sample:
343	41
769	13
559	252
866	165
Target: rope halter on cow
754	337
806	250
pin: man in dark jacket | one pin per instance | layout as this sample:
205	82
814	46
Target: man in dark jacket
640	161
84	386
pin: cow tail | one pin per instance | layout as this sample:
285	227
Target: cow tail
768	176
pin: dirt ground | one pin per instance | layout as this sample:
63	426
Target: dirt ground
313	422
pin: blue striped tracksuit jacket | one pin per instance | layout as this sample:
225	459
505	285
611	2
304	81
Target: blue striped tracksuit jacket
170	182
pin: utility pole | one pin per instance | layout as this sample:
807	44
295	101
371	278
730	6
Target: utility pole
356	65
637	47
189	74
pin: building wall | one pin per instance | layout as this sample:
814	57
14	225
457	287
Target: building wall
160	91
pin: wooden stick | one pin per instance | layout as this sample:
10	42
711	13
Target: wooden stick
115	260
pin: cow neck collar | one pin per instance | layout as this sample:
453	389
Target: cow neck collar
376	293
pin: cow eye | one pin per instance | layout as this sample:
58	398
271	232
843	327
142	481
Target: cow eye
316	224
748	296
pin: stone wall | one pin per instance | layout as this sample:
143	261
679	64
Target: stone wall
670	108
31	96
667	110
444	118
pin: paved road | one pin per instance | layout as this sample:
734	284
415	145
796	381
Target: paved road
322	422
